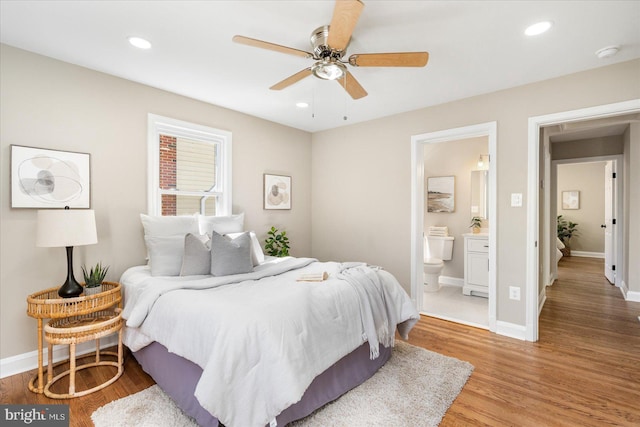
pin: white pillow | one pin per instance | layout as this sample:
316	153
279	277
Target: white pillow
169	225
221	224
164	237
257	256
559	243
165	254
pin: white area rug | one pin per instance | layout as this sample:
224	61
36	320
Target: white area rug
414	388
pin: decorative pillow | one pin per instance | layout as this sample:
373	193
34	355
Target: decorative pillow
169	225
230	256
257	256
165	254
197	255
221	224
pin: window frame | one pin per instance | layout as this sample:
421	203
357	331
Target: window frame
159	125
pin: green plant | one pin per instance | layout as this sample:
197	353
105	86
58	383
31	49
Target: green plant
277	244
94	276
476	222
566	230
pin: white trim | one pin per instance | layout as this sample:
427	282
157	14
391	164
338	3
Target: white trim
157	125
490	130
633	296
586	254
511	330
533	206
542	298
628	295
27	361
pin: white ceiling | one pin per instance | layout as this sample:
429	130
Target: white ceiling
475	47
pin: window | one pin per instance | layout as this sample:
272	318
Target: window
189	168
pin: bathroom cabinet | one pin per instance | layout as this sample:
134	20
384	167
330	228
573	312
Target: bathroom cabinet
476	264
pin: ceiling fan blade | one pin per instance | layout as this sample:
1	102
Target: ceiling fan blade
345	17
351	85
292	79
271	46
398	59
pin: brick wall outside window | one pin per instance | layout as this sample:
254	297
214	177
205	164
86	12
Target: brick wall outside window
168	173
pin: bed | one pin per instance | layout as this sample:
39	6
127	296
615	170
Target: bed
262	346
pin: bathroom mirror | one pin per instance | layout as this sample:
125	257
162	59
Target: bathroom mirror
480	193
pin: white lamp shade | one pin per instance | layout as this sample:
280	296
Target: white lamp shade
66	227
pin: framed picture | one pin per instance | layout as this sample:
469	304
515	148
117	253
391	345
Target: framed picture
570	200
42	178
441	194
277	192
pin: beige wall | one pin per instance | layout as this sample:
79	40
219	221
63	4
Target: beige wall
361	176
458	159
593	147
51	104
631	275
588	179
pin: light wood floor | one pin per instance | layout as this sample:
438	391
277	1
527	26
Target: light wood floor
584	371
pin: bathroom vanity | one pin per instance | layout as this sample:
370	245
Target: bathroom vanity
476	264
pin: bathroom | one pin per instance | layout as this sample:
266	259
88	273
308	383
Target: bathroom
456	190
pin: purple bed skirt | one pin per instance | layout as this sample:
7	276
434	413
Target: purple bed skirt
178	378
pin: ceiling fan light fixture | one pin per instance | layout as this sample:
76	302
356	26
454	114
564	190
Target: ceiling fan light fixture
329	70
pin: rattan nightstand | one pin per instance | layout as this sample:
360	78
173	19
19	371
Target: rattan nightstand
48	305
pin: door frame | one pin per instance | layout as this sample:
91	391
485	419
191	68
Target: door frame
489	130
533	195
618	211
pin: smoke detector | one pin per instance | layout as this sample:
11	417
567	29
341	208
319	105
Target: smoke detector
607	52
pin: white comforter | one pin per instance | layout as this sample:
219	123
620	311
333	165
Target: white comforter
262	337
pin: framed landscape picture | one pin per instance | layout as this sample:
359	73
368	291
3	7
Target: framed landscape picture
43	178
277	192
441	194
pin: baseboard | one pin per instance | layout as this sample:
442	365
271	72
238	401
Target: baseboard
551	280
452	281
587	254
511	330
28	361
542	298
629	295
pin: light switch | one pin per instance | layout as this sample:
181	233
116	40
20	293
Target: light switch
516	200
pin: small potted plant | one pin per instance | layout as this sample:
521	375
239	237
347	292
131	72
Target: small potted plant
277	244
476	224
93	278
566	230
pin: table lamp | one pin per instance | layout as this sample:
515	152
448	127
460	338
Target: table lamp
66	228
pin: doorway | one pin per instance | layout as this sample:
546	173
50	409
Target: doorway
418	142
540	234
597	211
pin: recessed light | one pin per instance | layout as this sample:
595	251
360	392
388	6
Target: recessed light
139	42
302	104
538	28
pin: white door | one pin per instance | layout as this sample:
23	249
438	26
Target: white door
609	215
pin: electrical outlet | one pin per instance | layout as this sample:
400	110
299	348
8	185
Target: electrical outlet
514	293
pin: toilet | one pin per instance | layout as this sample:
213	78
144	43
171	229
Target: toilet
437	249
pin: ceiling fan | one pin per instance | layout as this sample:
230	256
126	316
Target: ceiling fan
330	43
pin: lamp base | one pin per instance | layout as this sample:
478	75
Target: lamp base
71	288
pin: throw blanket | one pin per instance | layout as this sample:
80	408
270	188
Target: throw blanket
263	337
